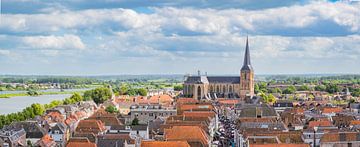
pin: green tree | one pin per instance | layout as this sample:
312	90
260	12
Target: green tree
38	109
356	92
271	98
320	87
178	87
76	97
111	109
290	90
303	88
33	93
135	121
99	95
332	88
142	92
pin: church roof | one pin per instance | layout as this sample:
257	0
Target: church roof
212	79
247	63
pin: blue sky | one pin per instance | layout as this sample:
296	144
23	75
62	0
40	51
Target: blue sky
103	37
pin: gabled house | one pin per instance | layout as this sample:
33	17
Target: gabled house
90	129
46	141
60	133
194	135
80	142
110	120
350	139
115	140
12	137
34	131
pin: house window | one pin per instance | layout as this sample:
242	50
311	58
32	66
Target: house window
151	114
57	132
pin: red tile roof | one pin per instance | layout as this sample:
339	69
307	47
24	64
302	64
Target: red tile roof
186	101
355	122
186	133
90	126
332	110
336	136
164	144
199	114
80	143
324	123
164	98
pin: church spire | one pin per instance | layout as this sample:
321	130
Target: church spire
247	63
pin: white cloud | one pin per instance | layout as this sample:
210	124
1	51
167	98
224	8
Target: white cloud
4	52
178	20
54	42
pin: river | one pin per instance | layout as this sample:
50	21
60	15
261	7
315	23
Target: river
47	90
18	103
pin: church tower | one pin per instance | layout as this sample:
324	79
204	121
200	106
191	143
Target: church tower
246	75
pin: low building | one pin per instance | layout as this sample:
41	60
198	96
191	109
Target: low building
147	112
12	137
34	131
194	135
340	139
47	141
80	142
115	140
59	133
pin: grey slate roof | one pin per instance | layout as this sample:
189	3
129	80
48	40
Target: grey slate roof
32	128
212	79
247	63
252	110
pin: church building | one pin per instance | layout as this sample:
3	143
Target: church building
212	87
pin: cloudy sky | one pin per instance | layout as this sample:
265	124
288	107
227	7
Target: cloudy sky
103	37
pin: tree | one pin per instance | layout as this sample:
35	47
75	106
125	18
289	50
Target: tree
290	90
271	98
135	121
303	88
99	95
356	92
33	93
142	92
76	97
320	87
111	109
332	88
38	109
178	87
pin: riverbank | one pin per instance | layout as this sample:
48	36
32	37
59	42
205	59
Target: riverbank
9	95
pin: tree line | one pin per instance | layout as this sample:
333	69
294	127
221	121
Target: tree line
99	95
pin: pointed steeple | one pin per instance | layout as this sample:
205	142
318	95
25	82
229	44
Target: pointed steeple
247	63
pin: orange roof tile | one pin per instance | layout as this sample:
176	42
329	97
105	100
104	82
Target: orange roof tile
93	126
164	98
323	123
336	137
80	143
186	133
164	144
199	114
332	110
229	102
355	122
186	101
